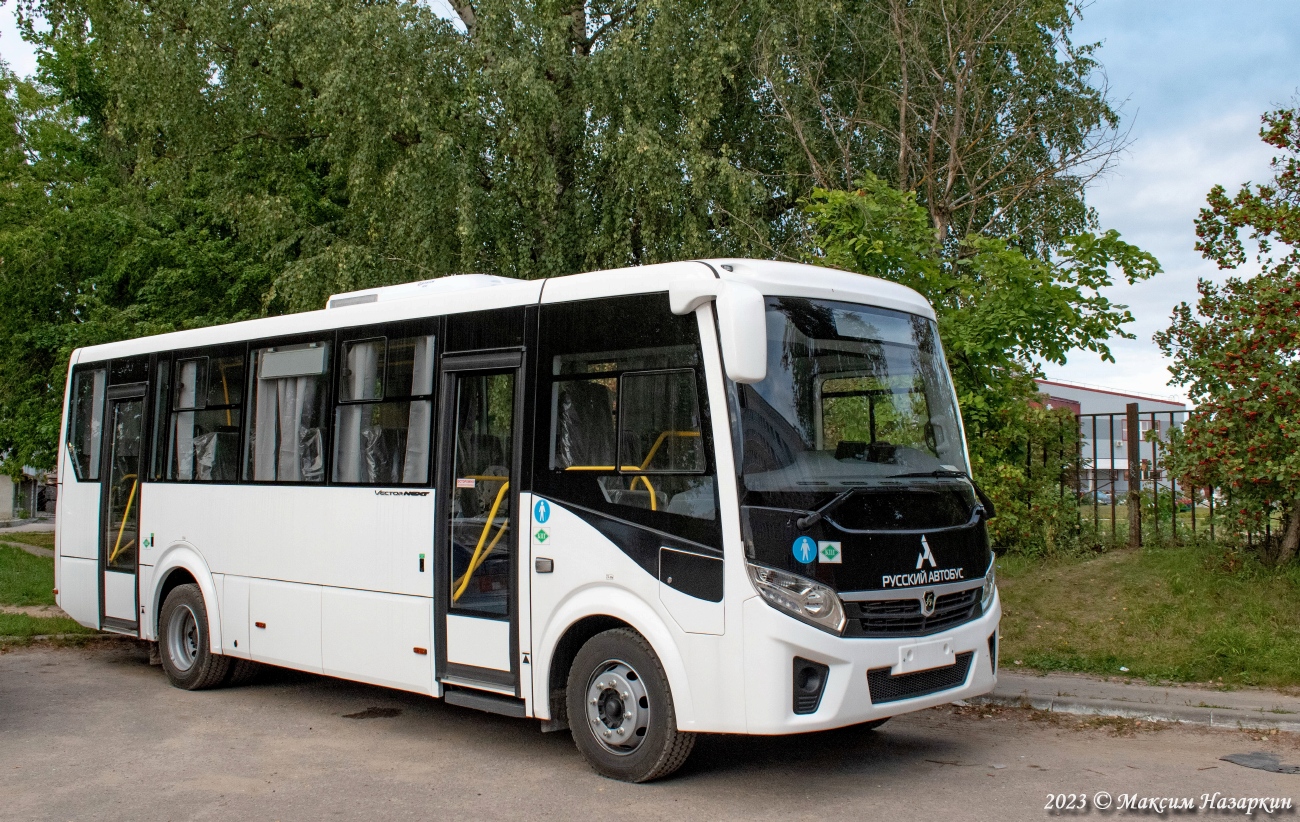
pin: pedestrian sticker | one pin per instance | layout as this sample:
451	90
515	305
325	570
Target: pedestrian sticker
541	535
829	552
542	511
805	550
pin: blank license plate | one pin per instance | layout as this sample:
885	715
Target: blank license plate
923	656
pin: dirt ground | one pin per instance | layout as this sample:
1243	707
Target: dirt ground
96	733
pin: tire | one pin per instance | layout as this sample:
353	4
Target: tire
184	645
242	672
873	724
636	745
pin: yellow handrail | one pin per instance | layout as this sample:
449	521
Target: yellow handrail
660	441
117	546
474	561
645	464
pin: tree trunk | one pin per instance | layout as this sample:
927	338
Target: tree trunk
1290	538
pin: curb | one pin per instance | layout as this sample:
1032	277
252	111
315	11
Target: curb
1182	714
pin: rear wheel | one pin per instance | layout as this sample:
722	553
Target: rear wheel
621	709
183	642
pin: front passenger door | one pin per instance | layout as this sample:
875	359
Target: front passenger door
477	508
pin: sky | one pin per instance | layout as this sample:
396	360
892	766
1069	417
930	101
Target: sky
1192	78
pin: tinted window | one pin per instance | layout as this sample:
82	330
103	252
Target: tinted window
86	421
204	425
622	414
383	424
286	434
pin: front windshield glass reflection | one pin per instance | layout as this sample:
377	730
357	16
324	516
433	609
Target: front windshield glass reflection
854	395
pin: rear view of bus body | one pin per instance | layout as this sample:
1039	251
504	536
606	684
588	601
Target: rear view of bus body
721	496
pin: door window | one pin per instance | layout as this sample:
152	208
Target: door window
482	538
121	526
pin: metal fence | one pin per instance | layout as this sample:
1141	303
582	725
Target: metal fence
1125	488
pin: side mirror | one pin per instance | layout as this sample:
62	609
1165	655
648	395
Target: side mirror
742	322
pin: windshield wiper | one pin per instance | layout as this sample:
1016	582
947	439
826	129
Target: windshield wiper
985	502
815	517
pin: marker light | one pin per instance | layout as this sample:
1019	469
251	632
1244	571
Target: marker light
990	588
800	597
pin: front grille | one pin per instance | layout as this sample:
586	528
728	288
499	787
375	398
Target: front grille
903	617
887	688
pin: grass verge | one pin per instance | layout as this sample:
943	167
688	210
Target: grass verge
25	579
41	539
1191	613
24	626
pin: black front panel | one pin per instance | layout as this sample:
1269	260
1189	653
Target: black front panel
880	560
694	574
885	687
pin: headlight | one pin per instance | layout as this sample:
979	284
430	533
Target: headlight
799	596
990	588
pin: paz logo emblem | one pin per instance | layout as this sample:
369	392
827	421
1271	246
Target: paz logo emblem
927	603
925	555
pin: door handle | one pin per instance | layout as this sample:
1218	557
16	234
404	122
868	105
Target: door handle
544	565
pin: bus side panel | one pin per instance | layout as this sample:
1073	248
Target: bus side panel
79	589
78	516
382	639
361	538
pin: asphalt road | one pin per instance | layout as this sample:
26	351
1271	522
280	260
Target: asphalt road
95	733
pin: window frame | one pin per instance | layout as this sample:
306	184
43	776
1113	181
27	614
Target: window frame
166	418
395	330
619	415
327	337
665	331
77	371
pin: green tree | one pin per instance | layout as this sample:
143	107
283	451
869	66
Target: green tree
1236	353
1001	313
985	108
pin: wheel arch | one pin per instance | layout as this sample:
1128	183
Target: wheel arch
590	612
182	564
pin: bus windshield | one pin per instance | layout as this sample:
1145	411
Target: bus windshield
854	396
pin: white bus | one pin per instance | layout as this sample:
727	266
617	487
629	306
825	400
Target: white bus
722	496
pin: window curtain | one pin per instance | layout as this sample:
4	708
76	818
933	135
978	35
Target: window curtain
416	466
287	439
187	380
357	435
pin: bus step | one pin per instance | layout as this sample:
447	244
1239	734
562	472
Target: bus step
481	701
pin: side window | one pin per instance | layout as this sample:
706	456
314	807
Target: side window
290	392
161	395
203	427
382	425
86	421
622	400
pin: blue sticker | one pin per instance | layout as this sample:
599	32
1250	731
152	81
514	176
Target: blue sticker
805	550
542	511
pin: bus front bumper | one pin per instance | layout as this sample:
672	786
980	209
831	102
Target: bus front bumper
774	640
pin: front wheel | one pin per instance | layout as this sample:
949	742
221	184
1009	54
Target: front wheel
621	709
183	642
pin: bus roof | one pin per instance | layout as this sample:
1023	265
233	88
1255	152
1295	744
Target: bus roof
476	292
